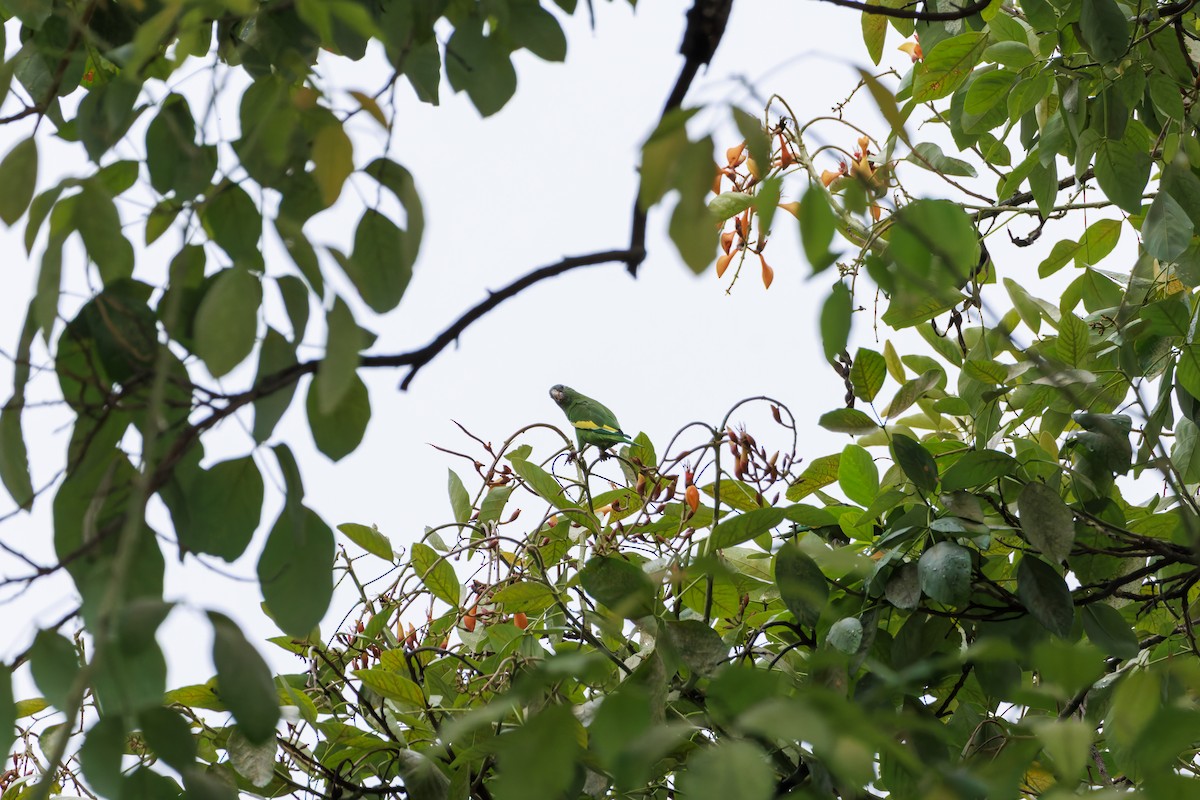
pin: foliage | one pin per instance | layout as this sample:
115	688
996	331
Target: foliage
964	601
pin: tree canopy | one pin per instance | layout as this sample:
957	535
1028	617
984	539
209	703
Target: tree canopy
986	592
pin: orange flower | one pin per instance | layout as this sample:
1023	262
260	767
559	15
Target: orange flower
692	495
521	620
727	241
792	208
734	156
768	274
913	49
875	211
786	159
723	264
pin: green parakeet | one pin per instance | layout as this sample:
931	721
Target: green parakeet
594	424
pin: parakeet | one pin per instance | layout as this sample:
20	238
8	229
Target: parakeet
594	424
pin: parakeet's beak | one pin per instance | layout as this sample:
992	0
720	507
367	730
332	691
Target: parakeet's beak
558	393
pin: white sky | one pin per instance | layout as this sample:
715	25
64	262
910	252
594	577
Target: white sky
550	175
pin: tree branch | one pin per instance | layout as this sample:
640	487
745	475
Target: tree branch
705	27
962	12
413	359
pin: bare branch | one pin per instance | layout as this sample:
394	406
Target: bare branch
962	12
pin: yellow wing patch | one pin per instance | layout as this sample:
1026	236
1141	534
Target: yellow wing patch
588	425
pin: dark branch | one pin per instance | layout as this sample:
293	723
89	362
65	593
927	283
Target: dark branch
705	26
419	358
969	10
414	359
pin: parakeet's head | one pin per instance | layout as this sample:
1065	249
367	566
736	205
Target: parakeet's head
560	394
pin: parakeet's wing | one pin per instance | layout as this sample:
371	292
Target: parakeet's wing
593	421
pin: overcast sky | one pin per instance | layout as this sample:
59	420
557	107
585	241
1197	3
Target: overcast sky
553	174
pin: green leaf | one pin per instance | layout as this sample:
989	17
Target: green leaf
1105	30
18	176
95	217
847	420
54	664
175	162
929	156
244	680
744	527
874	33
460	501
482	67
1046	520
422	778
295	570
1068	742
32	13
100	756
731	768
8	711
436	573
977	468
1045	595
493	504
543	484
835	321
886	101
947	65
1135	703
1122	169
537	30
1109	631
989	90
915	461
169	736
691	227
620	585
729	204
757	141
528	596
858	476
700	647
392	686
222	509
339	433
845	635
378	266
538	760
227	320
1074	340
910	392
802	586
1179	181
903	587
14	458
335	375
1026	306
275	355
817	226
333	159
235	223
1098	241
1027	93
369	539
867	374
820	472
944	571
1167	230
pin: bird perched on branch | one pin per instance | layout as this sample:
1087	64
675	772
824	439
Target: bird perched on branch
594	423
